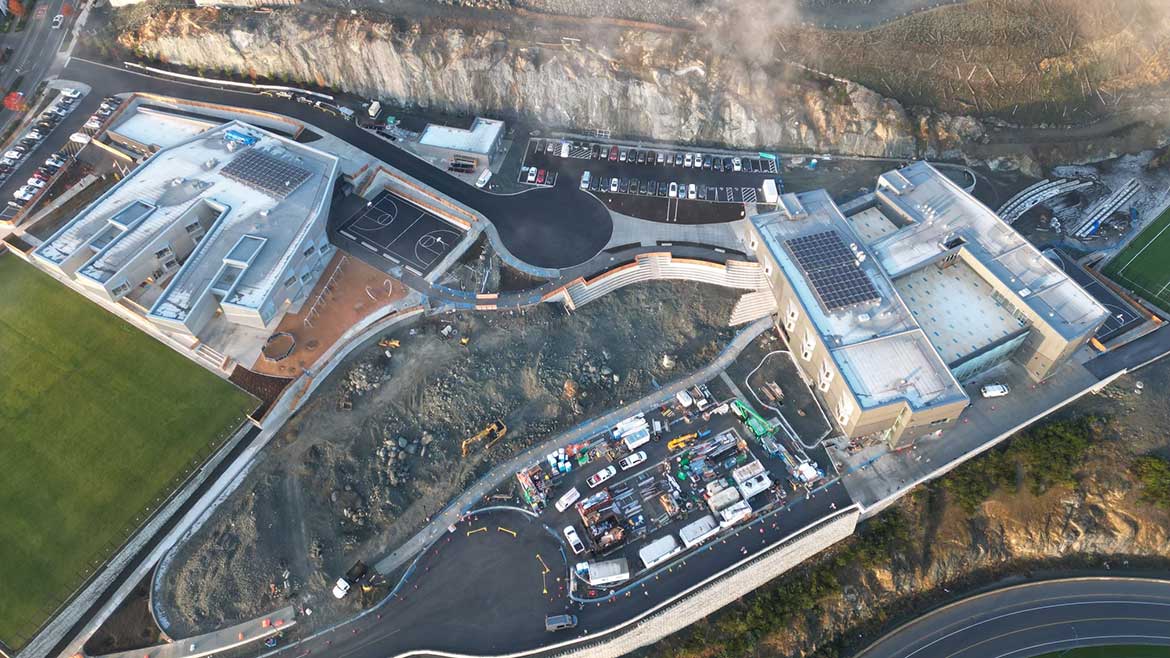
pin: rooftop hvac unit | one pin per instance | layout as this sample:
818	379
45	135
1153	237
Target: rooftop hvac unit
210	163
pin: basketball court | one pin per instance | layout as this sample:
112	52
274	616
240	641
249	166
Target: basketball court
402	232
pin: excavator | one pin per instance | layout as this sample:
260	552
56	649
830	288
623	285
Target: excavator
494	432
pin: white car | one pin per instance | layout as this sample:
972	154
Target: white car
69	92
574	540
24	194
692	191
613	185
736	164
532	175
12	155
673	190
58	21
632	460
601	476
8	162
995	390
35	182
54	161
93	124
341	588
585	180
688	160
698	161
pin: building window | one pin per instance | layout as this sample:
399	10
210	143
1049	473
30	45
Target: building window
192	227
767	269
323	248
791	316
806	348
121	289
163	253
824	377
844	409
309	250
940	421
754	243
289	282
172	263
306	276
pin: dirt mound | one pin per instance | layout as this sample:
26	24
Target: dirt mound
338	485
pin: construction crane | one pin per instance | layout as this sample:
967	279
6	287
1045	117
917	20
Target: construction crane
680	442
495	432
759	427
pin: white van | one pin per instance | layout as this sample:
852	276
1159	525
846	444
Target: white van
995	390
570	497
585	177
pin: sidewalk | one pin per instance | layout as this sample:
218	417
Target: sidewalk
489	482
217	641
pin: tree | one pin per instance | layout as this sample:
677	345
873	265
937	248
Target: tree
15	102
15	8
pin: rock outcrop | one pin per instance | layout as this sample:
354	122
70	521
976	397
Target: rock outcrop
671	86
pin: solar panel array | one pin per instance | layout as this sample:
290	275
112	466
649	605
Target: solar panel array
832	270
266	173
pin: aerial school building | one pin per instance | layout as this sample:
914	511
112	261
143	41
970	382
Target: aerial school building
920	288
225	228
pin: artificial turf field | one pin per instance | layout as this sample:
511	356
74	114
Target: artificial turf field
1144	265
99	422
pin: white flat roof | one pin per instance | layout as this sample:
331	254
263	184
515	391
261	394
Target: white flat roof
161	129
189	177
937	212
478	139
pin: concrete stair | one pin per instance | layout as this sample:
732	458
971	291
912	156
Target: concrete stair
753	306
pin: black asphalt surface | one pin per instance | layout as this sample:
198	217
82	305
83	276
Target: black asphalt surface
548	227
1037	618
401	232
466	580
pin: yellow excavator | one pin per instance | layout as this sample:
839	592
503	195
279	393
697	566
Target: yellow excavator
680	442
494	432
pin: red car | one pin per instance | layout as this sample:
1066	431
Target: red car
540	177
613	154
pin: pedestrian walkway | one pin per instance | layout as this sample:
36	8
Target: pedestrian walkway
499	474
217	641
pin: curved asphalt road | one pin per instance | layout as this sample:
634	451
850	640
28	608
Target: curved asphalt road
553	227
1028	620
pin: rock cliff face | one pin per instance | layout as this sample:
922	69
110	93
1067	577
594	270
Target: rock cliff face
665	85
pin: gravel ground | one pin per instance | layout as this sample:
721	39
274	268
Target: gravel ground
336	486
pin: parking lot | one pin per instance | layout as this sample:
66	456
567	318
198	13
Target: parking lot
672	480
686	187
63	129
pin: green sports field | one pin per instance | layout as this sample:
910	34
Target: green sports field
1144	265
99	423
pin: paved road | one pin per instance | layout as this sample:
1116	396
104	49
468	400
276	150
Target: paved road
34	48
536	226
1036	618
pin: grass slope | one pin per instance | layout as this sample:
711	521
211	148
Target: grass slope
1144	265
99	421
1125	651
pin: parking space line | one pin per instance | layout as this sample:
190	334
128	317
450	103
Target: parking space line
472	532
510	532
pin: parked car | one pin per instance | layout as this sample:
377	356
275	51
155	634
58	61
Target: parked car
691	191
706	162
641	157
574	541
653	188
58	21
689	160
35	182
678	159
94	123
659	157
40	176
623	186
673	193
632	460
54	161
643	187
613	154
559	622
9	159
601	476
633	186
736	164
662	188
702	191
995	390
71	93
585	180
24	193
613	185
531	175
717	164
540	177
623	155
698	161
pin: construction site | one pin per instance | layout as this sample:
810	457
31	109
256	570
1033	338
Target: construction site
409	422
